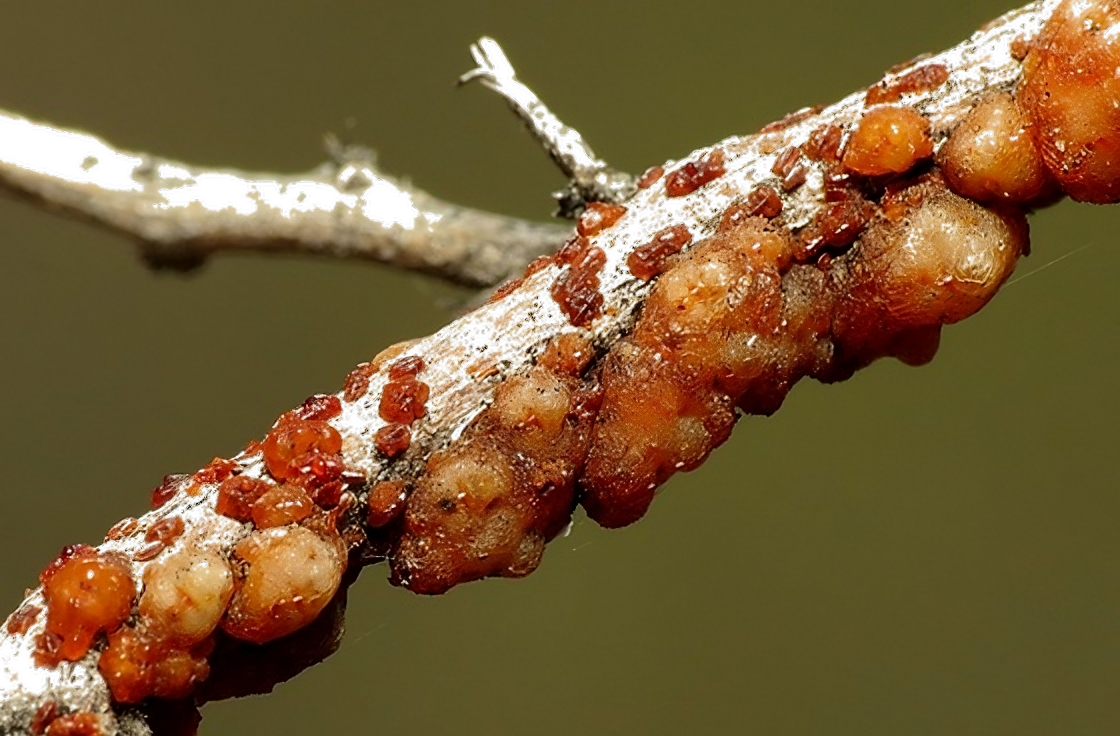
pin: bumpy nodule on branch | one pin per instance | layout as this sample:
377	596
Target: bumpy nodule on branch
828	240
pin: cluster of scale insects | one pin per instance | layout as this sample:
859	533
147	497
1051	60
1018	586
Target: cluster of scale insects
913	236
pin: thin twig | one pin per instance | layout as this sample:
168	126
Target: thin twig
592	179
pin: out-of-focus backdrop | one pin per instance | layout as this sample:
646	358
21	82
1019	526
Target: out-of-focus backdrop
920	551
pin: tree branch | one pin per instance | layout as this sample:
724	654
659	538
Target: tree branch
346	208
826	241
592	179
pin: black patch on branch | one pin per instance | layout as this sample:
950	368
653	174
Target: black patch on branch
302	195
63	155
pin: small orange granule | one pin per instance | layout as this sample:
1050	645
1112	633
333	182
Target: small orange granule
386	501
86	593
392	440
824	144
20	622
76	724
315	467
403	400
357	383
282	505
598	216
693	175
764	202
761	202
236	496
792	118
160	536
789	170
913	82
293	437
534	267
843	221
888	140
576	290
649	260
567	355
122	528
320	406
215	472
651	176
43	717
166	490
409	366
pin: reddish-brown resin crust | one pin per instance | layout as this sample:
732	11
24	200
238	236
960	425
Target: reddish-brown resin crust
920	79
692	175
649	260
598	216
576	289
385	503
87	594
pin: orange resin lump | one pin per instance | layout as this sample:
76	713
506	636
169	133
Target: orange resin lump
166	490
932	259
664	408
992	156
651	176
385	502
1071	91
888	140
138	664
186	594
86	595
290	574
732	324
487	505
393	440
282	505
292	438
403	400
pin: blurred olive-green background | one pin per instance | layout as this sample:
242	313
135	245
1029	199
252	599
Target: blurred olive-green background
925	551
